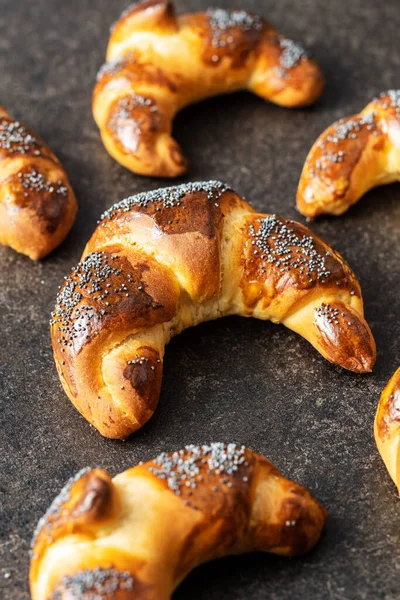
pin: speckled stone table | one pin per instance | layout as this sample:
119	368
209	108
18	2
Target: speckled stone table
235	379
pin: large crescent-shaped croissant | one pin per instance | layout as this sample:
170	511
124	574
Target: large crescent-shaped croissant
158	63
37	204
138	535
166	260
352	156
387	427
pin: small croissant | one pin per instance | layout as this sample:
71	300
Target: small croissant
140	534
387	427
165	260
37	204
352	156
159	63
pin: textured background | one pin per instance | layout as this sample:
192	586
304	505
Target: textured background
235	379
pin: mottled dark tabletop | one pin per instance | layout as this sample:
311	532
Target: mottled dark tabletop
234	379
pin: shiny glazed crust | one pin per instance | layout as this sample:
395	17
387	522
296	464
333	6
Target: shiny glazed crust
37	204
139	534
165	260
352	156
387	427
158	63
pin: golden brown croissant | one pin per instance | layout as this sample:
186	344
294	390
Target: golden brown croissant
138	535
387	427
37	204
352	156
166	260
158	63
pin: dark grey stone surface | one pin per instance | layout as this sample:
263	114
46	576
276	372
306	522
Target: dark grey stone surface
235	379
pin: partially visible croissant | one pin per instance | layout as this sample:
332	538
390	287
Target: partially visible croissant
162	261
352	156
159	63
387	427
138	535
37	204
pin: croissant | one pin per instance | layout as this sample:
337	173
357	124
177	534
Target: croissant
159	63
37	204
166	260
138	535
352	156
387	427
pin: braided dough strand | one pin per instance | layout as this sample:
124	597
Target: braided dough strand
159	63
138	535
